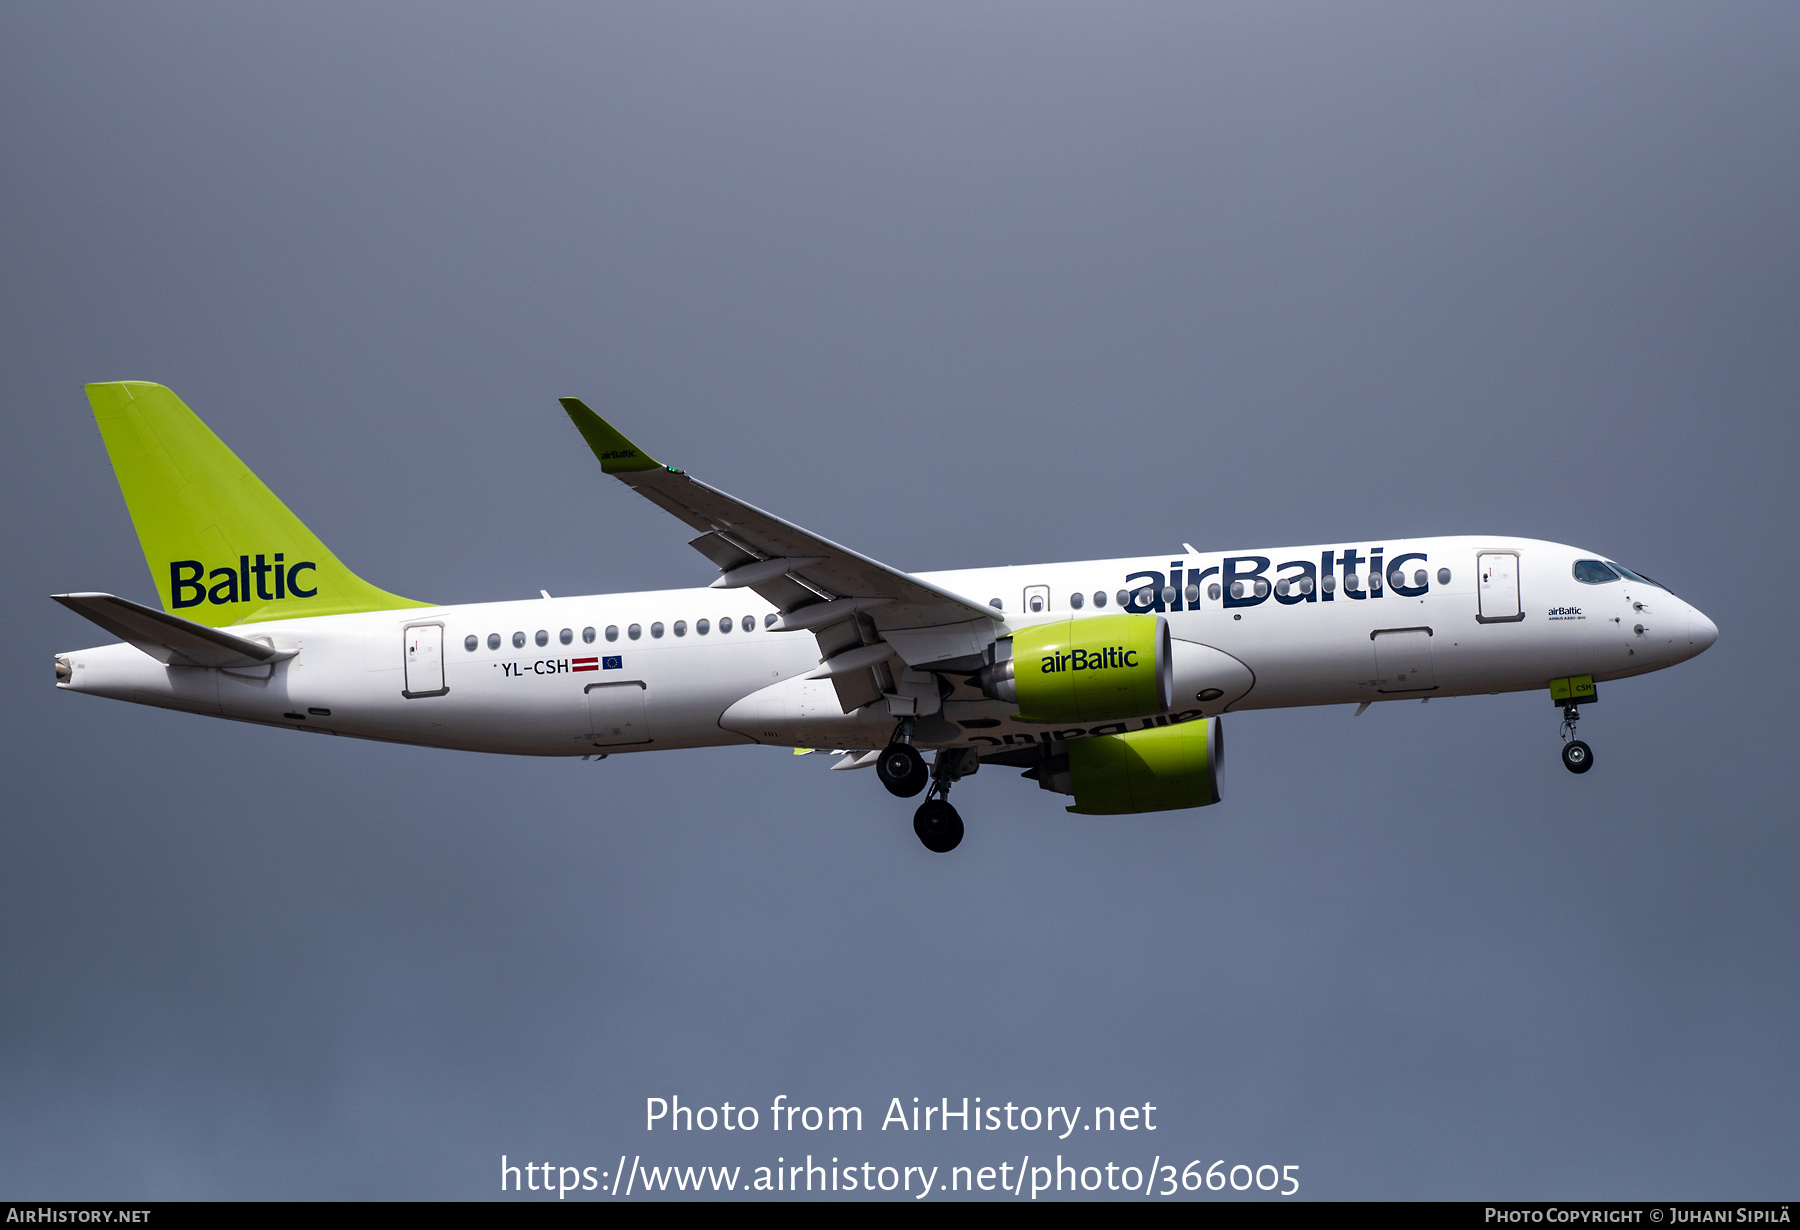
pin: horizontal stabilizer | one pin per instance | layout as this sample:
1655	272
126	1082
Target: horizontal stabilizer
171	639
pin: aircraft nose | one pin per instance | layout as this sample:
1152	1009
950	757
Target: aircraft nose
1702	632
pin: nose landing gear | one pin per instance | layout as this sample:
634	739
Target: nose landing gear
1577	757
1570	694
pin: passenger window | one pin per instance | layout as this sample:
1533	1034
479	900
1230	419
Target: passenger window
1212	591
543	638
1123	597
703	627
749	623
493	640
1076	601
680	627
1593	572
587	636
518	640
1329	583
635	631
566	636
1443	577
995	603
1351	584
1099	597
1237	589
1419	579
612	632
769	619
656	630
470	642
1168	595
1192	594
724	625
1306	585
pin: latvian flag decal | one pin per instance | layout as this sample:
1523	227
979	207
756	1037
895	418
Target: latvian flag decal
584	664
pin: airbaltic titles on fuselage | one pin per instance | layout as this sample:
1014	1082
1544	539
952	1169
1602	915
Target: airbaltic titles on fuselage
256	579
1243	580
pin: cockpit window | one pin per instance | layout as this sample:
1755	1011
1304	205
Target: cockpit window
1593	572
1629	575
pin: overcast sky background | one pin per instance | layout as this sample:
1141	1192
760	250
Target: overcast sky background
957	284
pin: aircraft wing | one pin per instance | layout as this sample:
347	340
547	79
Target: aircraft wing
170	639
853	604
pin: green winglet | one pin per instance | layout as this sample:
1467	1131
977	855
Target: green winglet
617	454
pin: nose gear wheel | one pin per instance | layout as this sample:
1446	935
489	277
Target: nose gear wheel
1577	757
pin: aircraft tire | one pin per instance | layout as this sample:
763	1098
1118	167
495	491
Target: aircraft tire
938	826
1577	756
902	770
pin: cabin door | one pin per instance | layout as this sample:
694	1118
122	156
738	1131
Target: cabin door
1497	580
424	649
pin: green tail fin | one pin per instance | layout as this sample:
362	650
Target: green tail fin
221	547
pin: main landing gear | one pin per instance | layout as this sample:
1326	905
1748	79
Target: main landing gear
1577	757
902	770
936	822
938	825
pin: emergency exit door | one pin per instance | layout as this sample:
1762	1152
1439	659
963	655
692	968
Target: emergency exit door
424	646
1403	660
1497	587
616	713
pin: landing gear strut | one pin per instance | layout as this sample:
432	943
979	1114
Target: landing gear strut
936	822
1577	757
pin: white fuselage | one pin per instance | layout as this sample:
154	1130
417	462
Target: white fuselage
368	676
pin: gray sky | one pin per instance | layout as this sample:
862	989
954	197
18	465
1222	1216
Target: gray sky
958	284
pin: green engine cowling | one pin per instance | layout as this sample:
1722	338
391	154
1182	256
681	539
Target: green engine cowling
1160	769
1097	669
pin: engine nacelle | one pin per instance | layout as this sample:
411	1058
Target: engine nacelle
1161	769
1084	670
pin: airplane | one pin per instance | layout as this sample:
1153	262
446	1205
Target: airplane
1104	680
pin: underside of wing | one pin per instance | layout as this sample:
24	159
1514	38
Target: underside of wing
880	631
